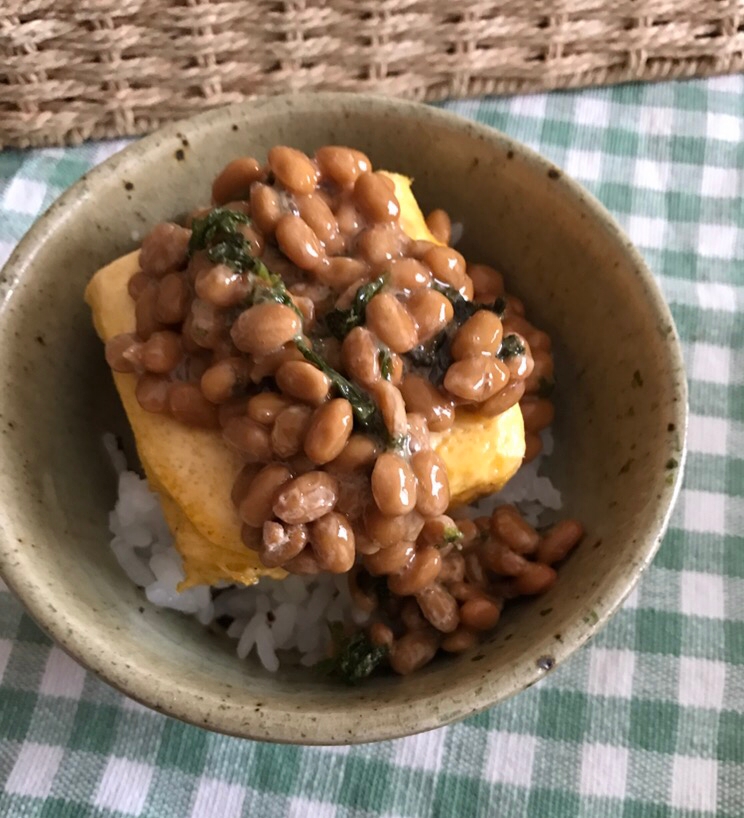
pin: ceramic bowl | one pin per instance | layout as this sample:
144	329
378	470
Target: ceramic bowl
619	430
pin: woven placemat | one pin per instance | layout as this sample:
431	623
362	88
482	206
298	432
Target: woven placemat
72	70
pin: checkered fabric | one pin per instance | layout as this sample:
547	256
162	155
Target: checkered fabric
645	722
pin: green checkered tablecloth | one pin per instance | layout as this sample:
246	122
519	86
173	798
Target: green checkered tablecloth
647	721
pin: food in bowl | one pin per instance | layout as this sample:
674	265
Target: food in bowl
318	384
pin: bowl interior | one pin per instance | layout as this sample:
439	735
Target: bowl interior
619	427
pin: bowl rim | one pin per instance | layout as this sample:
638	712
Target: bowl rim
187	707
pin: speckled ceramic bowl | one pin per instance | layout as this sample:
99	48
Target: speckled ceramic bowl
620	426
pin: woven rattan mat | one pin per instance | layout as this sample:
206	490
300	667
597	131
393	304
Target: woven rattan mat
78	69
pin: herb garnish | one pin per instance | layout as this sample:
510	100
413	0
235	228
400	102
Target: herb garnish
365	409
272	289
355	657
218	233
463	308
386	363
452	534
231	251
510	347
341	322
436	355
218	223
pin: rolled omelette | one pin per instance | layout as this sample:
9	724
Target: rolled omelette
193	470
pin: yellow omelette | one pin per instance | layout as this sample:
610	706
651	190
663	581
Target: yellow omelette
193	470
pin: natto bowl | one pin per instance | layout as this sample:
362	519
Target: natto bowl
619	432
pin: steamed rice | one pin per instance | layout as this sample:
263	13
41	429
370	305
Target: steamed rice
275	620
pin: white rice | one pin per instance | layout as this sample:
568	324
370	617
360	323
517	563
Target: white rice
272	618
